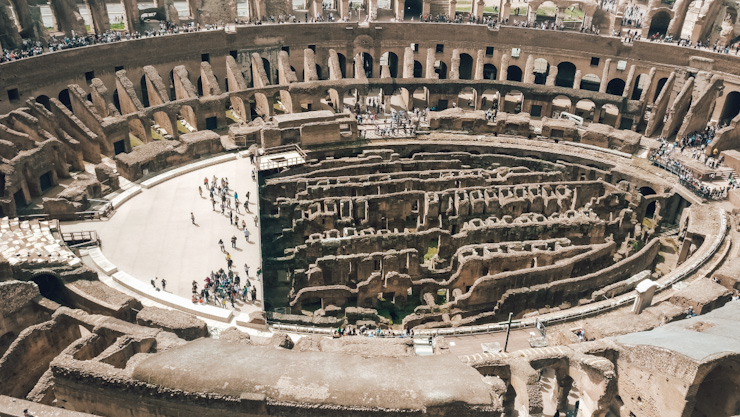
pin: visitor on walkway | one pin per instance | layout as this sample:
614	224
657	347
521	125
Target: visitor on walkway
192	217
221	245
246	234
233	241
164	284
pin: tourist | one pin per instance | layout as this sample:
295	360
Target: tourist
192	217
164	284
221	245
154	283
233	241
246	270
246	234
256	221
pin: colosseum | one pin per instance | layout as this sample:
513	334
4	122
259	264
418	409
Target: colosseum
435	207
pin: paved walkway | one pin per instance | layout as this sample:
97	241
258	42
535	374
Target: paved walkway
151	235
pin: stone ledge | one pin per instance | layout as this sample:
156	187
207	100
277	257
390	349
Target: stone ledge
125	196
172	300
102	262
151	182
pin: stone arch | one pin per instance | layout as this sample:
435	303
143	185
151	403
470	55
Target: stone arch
145	91
731	107
590	82
541	70
332	100
546	11
64	98
585	108
391	60
420	97
187	119
50	286
659	23
136	128
418	70
116	100
566	74
200	86
615	86
266	64
561	104
490	72
466	67
441	69
659	87
400	99
641	82
466	98
609	115
489	99
717	393
44	101
513	101
164	122
514	73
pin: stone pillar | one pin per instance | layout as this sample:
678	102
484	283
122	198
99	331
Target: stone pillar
645	291
532	16
335	70
627	93
10	37
504	71
504	10
68	17
478	74
98	15
478	7
343	8
674	27
430	64
597	113
605	76
309	66
645	96
400	11
408	63
529	70
451	9
455	65
131	14
359	68
426	7
577	80
660	106
559	16
550	82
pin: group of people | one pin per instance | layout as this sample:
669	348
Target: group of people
223	285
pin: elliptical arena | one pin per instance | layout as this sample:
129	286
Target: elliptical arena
528	219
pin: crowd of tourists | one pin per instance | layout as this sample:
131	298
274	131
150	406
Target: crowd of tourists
667	157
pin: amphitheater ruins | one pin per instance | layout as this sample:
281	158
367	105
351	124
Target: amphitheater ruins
365	208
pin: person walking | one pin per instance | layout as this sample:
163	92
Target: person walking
246	271
221	245
256	221
200	191
233	241
164	284
246	234
192	217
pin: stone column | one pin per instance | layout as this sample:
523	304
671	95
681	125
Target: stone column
452	8
605	76
309	66
478	7
505	10
455	65
529	70
68	17
674	27
559	16
532	16
478	75
359	68
408	63
630	80
131	14
343	8
597	113
98	15
10	37
645	96
550	82
400	11
577	80
504	71
430	64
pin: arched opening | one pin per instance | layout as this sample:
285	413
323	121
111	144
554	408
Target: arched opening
162	128
514	73
641	84
566	74
615	87
573	17
418	70
266	64
560	104
64	98
609	115
546	12
717	394
513	101
466	67
466	98
647	191
490	72
420	97
200	87
145	91
319	75
659	87
44	101
391	60
51	287
590	82
413	9
659	24
278	106
731	108
332	100
173	95
650	210
400	100
541	70
367	64
585	109
116	101
489	99
441	69
186	121
342	64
